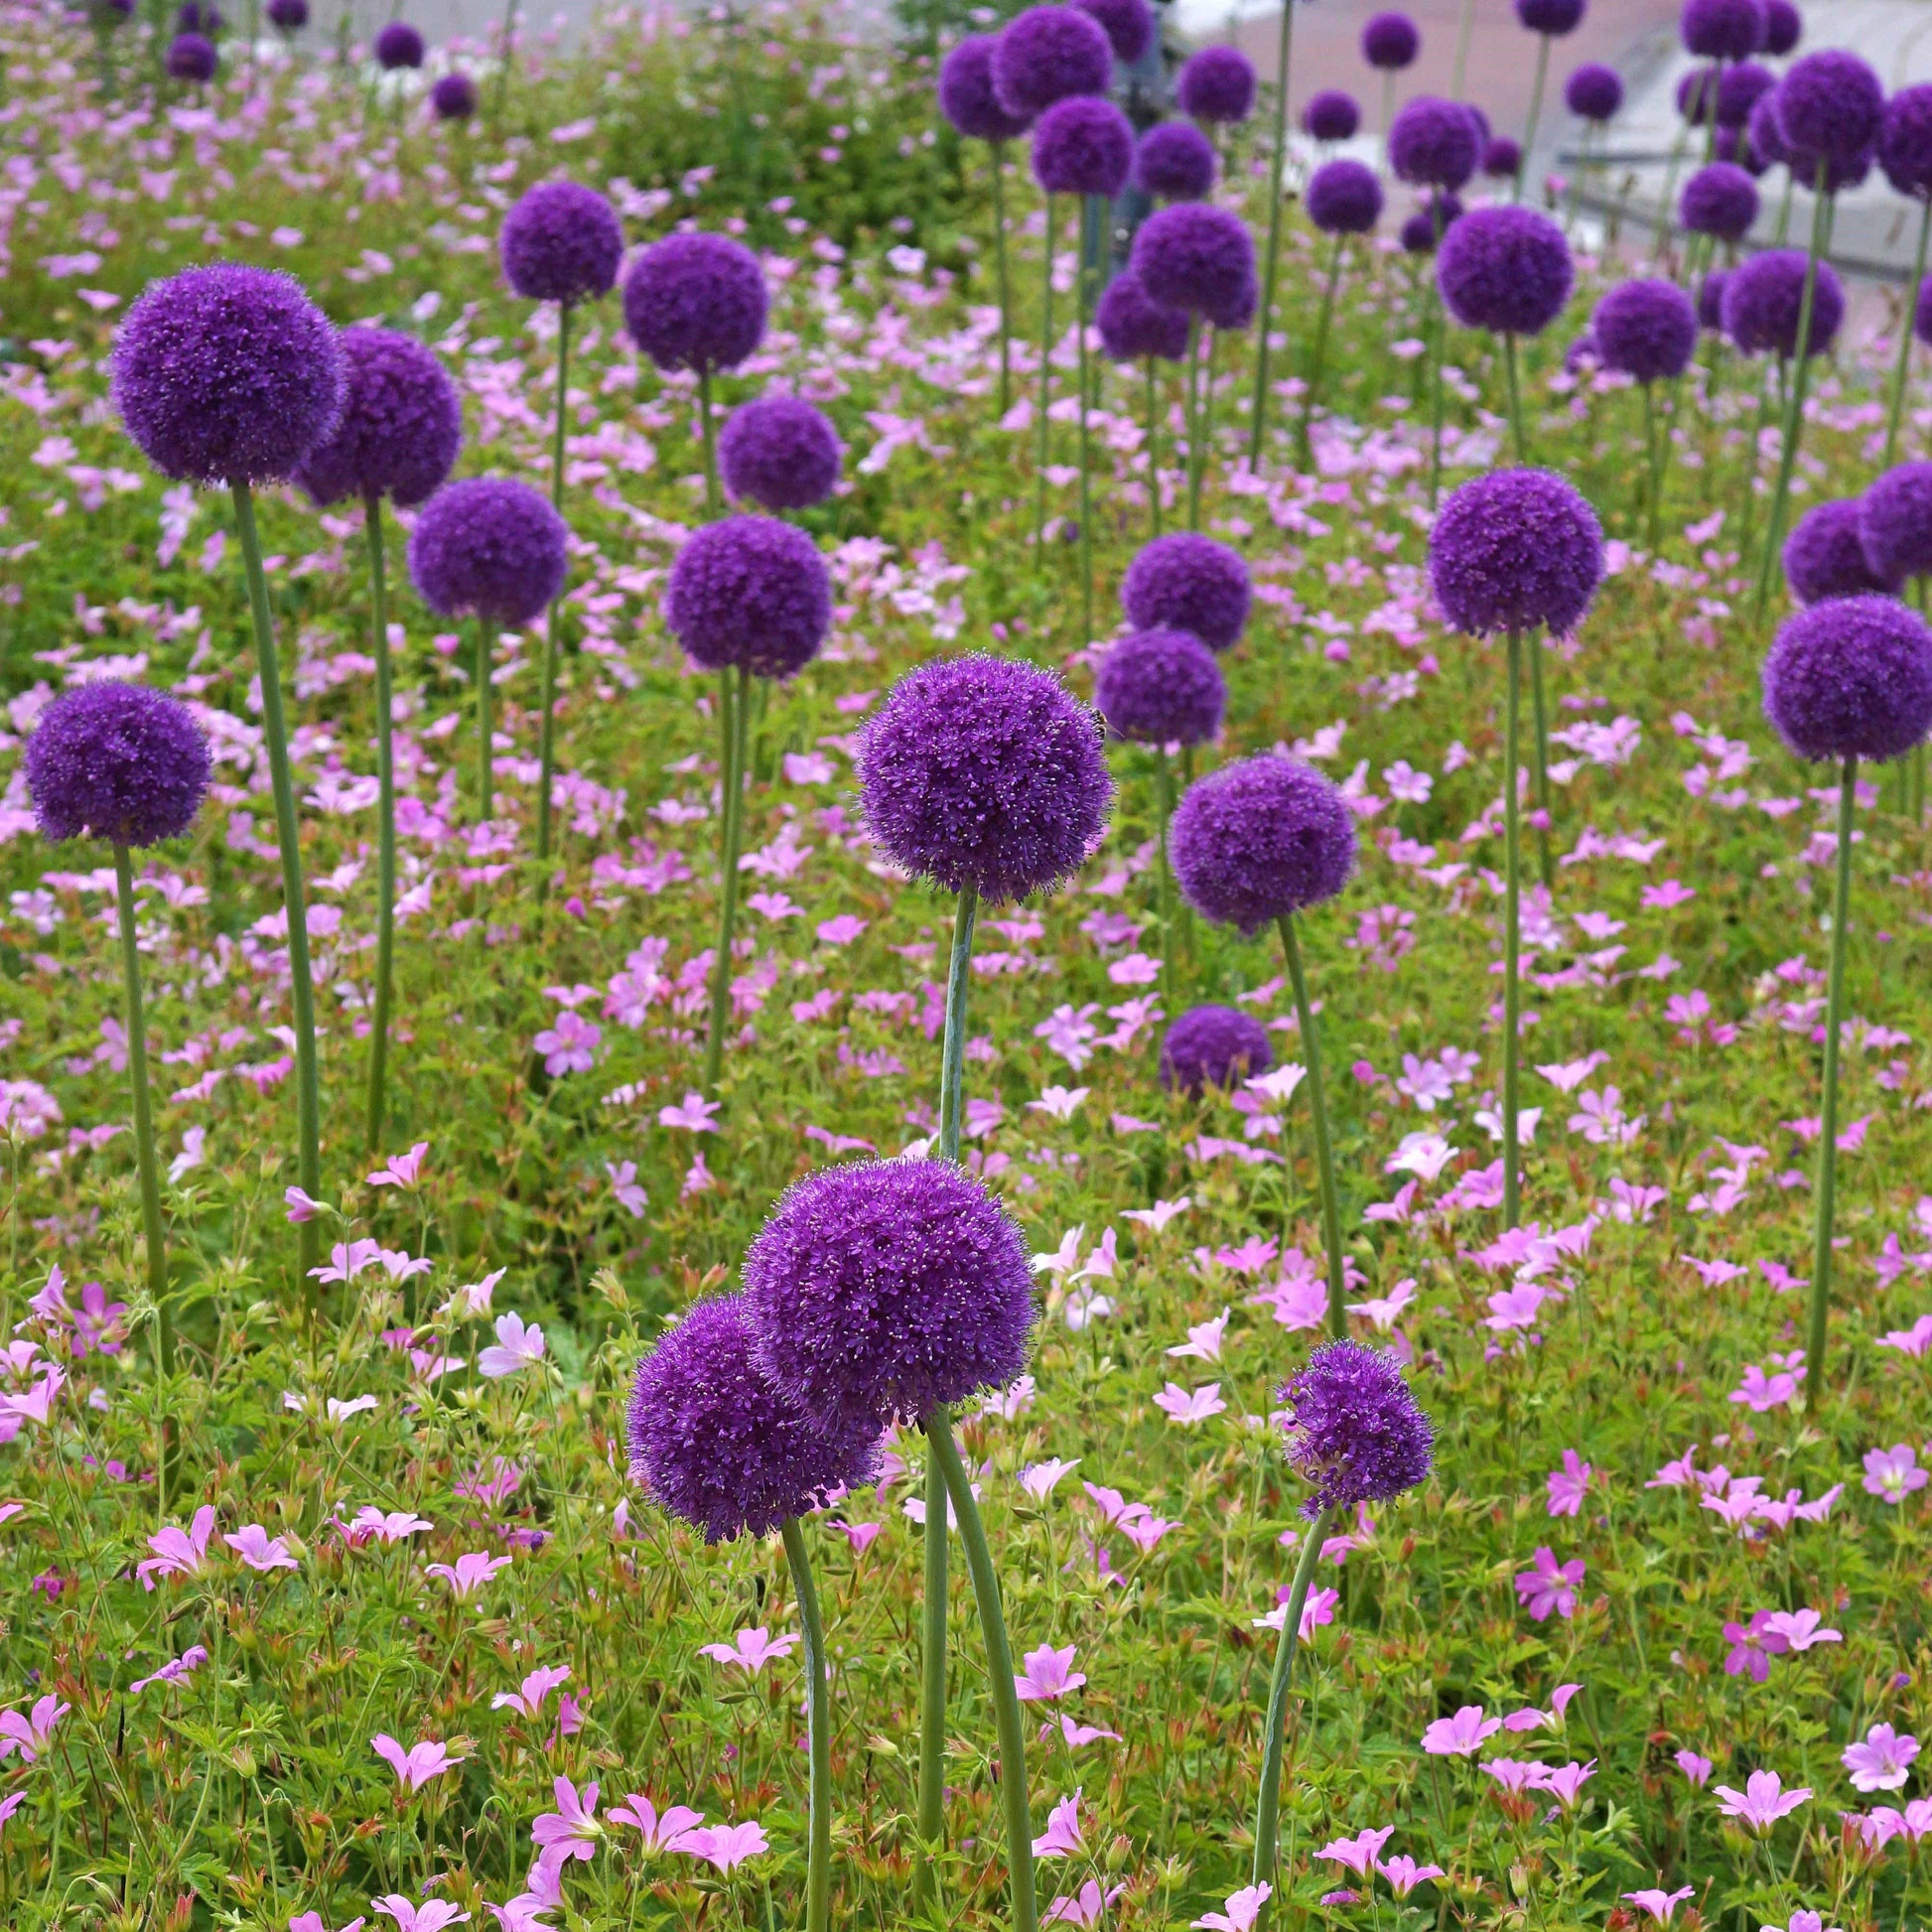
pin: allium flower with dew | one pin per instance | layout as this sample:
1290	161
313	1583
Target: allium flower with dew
1174	160
1083	146
1217	84
1515	550
1186	581
1390	42
1505	268
1883	1760
1594	93
1354	1429
1259	839
1200	258
1331	115
1133	326
119	762
1433	144
1764	302
1895	522
1047	54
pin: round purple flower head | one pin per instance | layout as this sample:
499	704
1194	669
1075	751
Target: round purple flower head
1711	299
1214	1047
1739	90
695	302
1174	160
1830	105
1646	329
1161	687
453	97
1850	678
227	375
1216	84
1515	550
984	773
1594	93
400	428
1764	296
1047	54
1763	136
1905	141
1501	157
1922	312
1506	269
399	46
779	452
885	1287
488	547
1195	257
750	591
1823	557
1128	24
1551	17
1723	29
1355	1429
191	57
1720	201
117	762
1418	235
1188	583
1432	143
195	17
966	96
1330	115
1783	24
719	1446
1895	522
561	244
1696	95
1083	146
1344	197
1259	839
288	15
1390	42
1132	324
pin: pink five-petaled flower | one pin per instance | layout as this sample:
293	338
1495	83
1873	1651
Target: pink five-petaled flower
430	1916
1405	1874
529	1699
570	1045
1800	1629
542	1895
571	1831
725	1845
516	1348
177	1552
1243	1909
29	1734
303	1207
665	1833
751	1650
1189	1406
174	1670
1062	1838
403	1169
260	1550
1697	1768
1532	1718
1882	1761
1048	1675
312	1922
1893	1474
1660	1904
1084	1909
693	1113
1462	1736
468	1573
1568	1484
371	1525
415	1767
1550	1586
1565	1782
1359	1853
1762	1802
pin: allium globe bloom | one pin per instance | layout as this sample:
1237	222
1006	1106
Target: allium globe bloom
1594	93
1850	678
1344	197
1132	324
1830	103
719	1446
1823	557
1905	141
1331	115
399	46
1720	201
1515	550
885	1287
1355	1429
1185	581
749	591
1161	687
1696	95
191	57
1506	269
1047	54
400	428
488	547
288	15
1762	135
1195	257
1895	522
985	772
1711	299
1922	312
1501	157
1128	24
1082	146
779	452
1783	24
1432	143
696	302
116	762
1481	123
1551	17
1764	296
227	375
561	243
966	96
1390	42
1174	160
1739	90
1216	84
1723	29
1418	233
192	17
453	97
1646	329
1240	309
1214	1047
1259	839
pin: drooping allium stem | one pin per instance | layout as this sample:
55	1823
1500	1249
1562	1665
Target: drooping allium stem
1272	256
819	1734
1324	322
734	707
552	622
1519	443
1153	449
1041	439
1825	1201
1512	924
1540	767
1325	1157
302	992
386	777
1903	367
486	743
1536	110
999	269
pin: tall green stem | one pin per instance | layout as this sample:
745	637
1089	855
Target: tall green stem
1204	425
1042	443
819	1734
1085	286
385	777
1324	322
504	61
1271	259
1438	329
485	744
1192	409
1512	928
1518	441
1540	767
1000	266
933	1676
1325	1159
733	707
1748	517
953	1059
714	496
1169	934
1536	110
1903	365
546	735
1152	448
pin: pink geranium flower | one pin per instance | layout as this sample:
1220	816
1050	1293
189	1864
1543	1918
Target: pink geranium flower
177	1552
1049	1675
1550	1587
1762	1802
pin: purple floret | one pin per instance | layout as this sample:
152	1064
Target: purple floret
1783	24
1217	84
1551	17
781	451
966	96
1739	90
1594	93
1174	160
1505	268
1082	146
1355	1431
1432	143
1214	1047
1259	839
1850	678
1905	141
1823	557
116	762
1161	687
1646	329
400	428
1829	105
696	302
1344	197
1515	550
453	97
1502	158
488	547
1128	24
1199	258
1763	136
192	57
752	592
1049	54
1719	201
562	243
1330	115
1765	297
399	46
1390	42
1723	29
1132	324
1895	522
1922	312
1188	583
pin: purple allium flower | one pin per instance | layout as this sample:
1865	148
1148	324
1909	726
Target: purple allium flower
1739	90
1783	24
1482	121
116	762
1551	17
1418	233
199	17
1259	839
488	547
1764	296
1723	29
983	772
1501	157
1506	269
1354	1429
288	15
1850	678
1432	143
1830	105
781	451
1390	42
1646	329
400	428
1711	299
399	46
1082	146
1344	197
695	302
227	375
1216	84
1720	201
1594	93
1188	583
1823	557
1905	141
1174	160
453	97
1763	136
885	1287
1045	55
1128	24
1196	258
719	1446
1696	95
1161	687
1515	550
1240	311
1330	115
966	96
750	591
192	57
1895	522
1922	312
1214	1047
562	243
1132	324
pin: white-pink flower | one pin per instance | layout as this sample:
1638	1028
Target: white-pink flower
751	1650
515	1348
415	1767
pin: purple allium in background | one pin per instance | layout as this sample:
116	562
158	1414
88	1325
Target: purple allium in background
1696	95
1594	93
1355	1429
199	17
1850	678
488	547
116	762
1214	1047
750	591
1895	522
1783	24
1344	197
1711	299
1128	24
1551	17
453	97
719	1446
1764	296
399	46
191	57
1259	839
1190	583
1506	269
1501	157
885	1287
1196	258
1763	139
1905	141
1515	550
1830	105
1418	233
400	428
1739	90
1174	160
696	302
289	16
1045	55
1646	329
1432	143
781	451
1330	115
1390	41
984	773
1823	557
1216	84
1723	29
1082	146
1132	324
1720	201
1922	312
966	96
561	243
1161	687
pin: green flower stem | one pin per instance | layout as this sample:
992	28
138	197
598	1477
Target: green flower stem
1191	411
1041	439
714	496
1324	322
1536	112
1540	767
1272	256
1903	365
553	619
1438	330
1324	1158
485	746
502	61
1152	448
1668	203
1519	443
1748	517
952	1060
1169	934
732	710
1086	466
999	1681
1204	421
385	770
932	1677
1512	930
818	1731
1000	266
302	992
